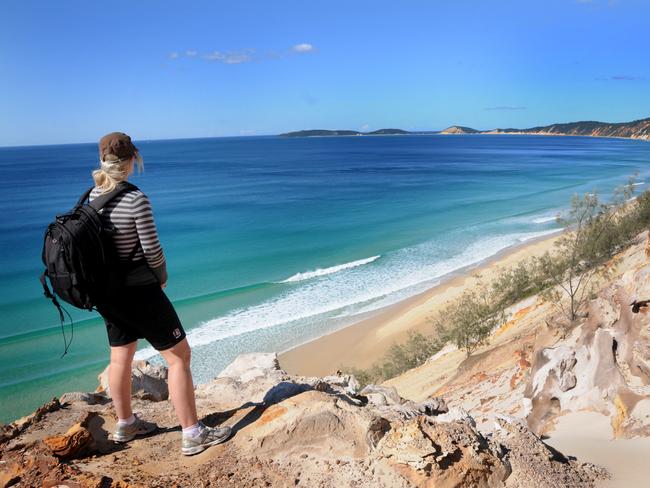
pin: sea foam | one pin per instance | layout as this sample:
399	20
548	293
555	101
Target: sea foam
307	275
545	219
535	235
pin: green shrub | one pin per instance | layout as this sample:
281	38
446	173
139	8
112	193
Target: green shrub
513	284
468	321
398	359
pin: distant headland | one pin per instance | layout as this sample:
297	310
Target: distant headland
638	129
323	132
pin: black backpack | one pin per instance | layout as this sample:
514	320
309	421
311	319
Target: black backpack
80	258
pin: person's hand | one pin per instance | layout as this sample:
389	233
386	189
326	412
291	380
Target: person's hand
163	285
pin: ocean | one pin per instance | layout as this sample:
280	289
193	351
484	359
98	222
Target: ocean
271	241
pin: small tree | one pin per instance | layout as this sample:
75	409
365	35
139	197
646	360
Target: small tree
468	321
594	233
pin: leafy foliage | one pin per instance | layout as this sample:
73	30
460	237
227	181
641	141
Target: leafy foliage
398	359
595	233
468	321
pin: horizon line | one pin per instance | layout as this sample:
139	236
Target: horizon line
2	146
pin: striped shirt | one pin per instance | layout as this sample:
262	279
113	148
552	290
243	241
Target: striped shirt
131	215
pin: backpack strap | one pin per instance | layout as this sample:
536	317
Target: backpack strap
99	202
102	200
51	296
85	196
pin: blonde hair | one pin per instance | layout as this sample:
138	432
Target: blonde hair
113	170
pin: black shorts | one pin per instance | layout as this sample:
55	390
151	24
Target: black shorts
141	312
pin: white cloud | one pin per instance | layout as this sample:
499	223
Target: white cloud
364	127
237	58
243	55
213	56
230	57
302	48
622	78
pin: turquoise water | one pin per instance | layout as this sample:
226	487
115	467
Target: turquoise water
271	242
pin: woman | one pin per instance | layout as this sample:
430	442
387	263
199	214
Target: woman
140	309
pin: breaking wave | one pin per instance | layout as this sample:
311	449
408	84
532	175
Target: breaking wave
308	275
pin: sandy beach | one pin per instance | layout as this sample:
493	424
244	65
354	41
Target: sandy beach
363	343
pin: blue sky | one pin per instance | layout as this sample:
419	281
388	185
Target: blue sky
71	71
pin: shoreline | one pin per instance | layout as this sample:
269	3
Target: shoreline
364	342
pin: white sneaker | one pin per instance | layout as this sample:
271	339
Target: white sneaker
126	433
207	436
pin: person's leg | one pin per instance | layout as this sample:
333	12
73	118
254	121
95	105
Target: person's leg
196	436
181	387
119	378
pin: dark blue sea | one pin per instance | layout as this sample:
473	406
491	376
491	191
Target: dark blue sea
271	242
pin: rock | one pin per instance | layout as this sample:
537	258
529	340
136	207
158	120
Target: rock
255	378
553	385
410	409
434	406
312	422
377	429
567	378
457	414
604	365
346	381
382	395
247	367
389	404
37	469
567	382
429	453
77	442
534	463
149	381
317	428
376	399
81	397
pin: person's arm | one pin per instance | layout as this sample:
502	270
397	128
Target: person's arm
148	234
